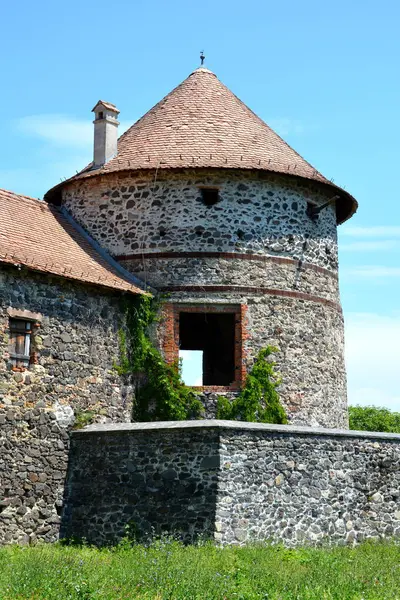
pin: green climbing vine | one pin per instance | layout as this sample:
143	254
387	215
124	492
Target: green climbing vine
259	401
160	392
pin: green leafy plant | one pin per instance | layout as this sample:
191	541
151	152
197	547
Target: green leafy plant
373	418
259	400
167	569
83	418
160	393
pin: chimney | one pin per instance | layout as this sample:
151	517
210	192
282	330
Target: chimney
105	133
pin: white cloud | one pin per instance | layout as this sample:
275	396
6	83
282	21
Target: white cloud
62	130
58	129
35	181
375	231
372	358
372	271
370	246
285	126
66	148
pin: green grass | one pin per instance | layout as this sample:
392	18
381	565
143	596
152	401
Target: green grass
167	570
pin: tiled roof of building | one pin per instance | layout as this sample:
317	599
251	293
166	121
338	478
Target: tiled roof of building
201	123
37	235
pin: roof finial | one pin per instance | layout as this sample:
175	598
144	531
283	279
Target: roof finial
202	57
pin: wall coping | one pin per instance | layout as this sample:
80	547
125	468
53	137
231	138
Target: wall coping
121	428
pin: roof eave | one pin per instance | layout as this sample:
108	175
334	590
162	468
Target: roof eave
346	207
17	263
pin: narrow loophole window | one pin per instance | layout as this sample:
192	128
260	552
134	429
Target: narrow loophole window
209	196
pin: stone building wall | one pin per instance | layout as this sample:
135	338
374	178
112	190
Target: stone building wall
256	248
74	348
233	482
136	213
199	270
309	335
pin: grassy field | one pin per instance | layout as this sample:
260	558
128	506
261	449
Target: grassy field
168	570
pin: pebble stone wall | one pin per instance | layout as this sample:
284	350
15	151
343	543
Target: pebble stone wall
310	339
256	247
74	348
232	482
258	213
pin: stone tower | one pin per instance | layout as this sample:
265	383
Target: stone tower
204	201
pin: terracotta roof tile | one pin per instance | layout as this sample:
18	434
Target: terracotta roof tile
201	123
106	105
40	237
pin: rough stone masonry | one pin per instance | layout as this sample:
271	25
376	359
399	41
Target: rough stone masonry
256	249
232	482
234	230
75	344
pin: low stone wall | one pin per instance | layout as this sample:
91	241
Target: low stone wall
33	463
145	480
232	482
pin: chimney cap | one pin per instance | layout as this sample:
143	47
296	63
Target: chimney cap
106	105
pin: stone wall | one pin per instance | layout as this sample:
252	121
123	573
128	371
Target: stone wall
256	248
145	482
232	482
310	339
135	213
169	272
307	487
72	377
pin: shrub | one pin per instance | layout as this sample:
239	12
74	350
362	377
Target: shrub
259	400
83	418
160	395
372	418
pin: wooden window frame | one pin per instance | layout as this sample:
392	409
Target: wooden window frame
20	360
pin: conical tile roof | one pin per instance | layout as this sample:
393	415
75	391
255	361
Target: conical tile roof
202	124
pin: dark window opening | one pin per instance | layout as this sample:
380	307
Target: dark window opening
20	342
311	211
214	334
100	115
209	196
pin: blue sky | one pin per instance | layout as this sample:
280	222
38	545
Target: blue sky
325	75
